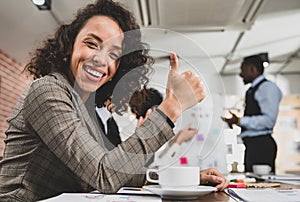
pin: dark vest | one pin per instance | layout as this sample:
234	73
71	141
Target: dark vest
252	107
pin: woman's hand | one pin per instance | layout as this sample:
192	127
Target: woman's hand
183	91
213	176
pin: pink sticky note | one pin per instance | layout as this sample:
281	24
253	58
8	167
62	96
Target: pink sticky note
200	137
183	161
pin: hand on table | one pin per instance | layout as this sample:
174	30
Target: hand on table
212	175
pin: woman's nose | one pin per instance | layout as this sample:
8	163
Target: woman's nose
98	59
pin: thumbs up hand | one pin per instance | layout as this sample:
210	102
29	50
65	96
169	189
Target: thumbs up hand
183	90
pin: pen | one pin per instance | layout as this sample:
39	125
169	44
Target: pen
133	189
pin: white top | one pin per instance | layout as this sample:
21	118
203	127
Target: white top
104	115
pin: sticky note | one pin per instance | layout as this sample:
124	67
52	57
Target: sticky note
183	161
200	137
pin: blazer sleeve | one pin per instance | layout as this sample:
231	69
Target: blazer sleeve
50	111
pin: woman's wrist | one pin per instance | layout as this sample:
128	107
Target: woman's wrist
171	123
170	109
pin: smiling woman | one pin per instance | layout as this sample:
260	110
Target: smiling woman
96	52
53	145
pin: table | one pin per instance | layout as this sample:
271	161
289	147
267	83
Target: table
211	197
222	196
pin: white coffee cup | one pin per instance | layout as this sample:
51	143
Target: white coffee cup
261	169
176	176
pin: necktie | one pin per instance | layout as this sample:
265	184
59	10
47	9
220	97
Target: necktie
113	131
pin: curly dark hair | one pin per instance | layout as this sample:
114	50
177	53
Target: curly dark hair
54	55
144	99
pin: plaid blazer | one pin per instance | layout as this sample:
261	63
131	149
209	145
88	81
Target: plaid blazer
54	146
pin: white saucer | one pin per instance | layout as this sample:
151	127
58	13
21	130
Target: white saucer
180	192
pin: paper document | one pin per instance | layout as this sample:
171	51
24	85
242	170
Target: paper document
79	197
265	195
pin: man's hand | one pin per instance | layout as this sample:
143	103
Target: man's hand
230	121
185	135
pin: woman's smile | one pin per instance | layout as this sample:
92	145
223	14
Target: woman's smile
93	73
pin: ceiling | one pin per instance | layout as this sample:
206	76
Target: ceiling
223	31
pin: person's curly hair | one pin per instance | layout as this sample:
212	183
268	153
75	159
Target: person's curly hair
54	55
144	99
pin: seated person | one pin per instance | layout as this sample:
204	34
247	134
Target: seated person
141	104
107	122
142	101
100	109
53	145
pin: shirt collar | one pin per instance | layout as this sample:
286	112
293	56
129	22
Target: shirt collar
103	113
257	80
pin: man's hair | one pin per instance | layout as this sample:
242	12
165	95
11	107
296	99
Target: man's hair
257	60
144	99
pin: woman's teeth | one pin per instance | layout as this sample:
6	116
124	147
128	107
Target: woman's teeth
93	72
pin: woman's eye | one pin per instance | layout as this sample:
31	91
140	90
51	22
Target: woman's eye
91	44
114	56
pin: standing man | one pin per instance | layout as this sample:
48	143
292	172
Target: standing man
261	110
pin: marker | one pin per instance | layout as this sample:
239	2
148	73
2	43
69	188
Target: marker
237	185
